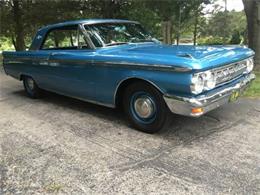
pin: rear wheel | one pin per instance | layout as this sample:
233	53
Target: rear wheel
145	107
31	88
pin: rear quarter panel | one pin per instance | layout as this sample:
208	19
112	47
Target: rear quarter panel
24	63
14	63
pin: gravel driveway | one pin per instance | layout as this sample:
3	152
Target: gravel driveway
61	145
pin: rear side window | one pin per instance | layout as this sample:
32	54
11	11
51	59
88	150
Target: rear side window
62	38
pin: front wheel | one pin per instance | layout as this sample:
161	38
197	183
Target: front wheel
31	88
145	107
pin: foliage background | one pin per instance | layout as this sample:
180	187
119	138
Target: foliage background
171	21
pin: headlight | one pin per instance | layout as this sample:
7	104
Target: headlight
197	85
203	81
210	80
250	65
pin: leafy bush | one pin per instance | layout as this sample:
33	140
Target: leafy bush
236	38
5	44
212	41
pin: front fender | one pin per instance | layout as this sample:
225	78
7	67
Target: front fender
168	83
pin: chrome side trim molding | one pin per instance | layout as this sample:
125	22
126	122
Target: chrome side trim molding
159	67
123	64
118	64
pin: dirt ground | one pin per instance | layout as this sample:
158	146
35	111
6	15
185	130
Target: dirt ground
60	145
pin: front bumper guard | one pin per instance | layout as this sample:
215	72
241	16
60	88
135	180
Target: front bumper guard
206	103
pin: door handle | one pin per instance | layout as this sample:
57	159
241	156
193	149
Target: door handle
58	53
53	54
55	62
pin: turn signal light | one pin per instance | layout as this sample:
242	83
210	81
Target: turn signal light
197	110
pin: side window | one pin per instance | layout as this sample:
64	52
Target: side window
82	43
63	38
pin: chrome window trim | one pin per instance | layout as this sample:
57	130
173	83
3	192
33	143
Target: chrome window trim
116	22
107	22
88	39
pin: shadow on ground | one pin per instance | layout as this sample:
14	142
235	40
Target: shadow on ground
184	129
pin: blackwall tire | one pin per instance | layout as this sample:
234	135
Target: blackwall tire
31	88
145	107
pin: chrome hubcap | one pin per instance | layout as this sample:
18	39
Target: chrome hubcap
144	107
30	83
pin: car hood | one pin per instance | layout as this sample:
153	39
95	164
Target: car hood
194	57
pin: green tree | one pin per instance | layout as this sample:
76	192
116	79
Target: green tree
215	27
20	19
236	38
198	16
252	10
174	14
12	25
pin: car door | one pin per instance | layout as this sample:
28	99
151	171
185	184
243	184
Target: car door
69	69
72	73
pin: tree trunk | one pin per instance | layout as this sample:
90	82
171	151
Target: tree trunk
179	26
195	31
18	28
110	9
252	10
14	43
167	32
178	39
164	32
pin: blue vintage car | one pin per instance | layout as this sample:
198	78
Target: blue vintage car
117	63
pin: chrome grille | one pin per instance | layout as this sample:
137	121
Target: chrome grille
229	72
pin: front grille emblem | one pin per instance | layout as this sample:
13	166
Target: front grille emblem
230	72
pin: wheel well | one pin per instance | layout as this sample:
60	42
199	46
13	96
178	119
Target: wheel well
121	89
22	77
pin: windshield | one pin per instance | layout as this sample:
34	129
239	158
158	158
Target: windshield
109	34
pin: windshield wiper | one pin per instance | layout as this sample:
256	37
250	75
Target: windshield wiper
116	43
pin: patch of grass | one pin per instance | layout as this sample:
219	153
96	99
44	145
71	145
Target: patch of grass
254	90
53	188
1	61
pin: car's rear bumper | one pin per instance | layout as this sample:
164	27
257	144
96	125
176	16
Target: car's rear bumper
197	106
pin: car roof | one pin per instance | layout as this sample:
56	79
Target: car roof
86	21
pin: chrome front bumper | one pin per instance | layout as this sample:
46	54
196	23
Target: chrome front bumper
205	103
